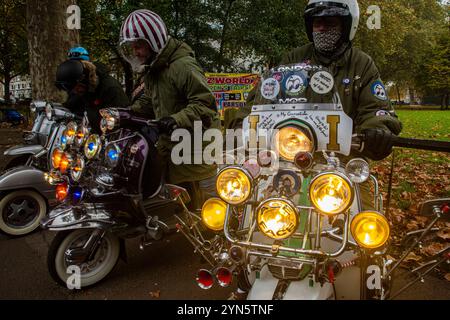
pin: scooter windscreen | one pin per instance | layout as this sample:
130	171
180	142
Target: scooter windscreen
299	103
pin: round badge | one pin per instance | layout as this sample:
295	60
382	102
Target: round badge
379	91
270	89
322	82
286	182
294	85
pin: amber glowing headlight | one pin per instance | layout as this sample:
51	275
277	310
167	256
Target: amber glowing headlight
70	132
213	213
56	157
291	140
370	229
92	146
66	162
331	193
77	168
277	218
81	135
234	185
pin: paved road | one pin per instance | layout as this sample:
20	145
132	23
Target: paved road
168	266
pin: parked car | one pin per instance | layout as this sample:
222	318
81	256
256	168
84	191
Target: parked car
11	116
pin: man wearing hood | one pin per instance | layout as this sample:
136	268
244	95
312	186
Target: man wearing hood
89	88
175	92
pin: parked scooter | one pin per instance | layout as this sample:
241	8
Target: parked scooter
112	188
24	194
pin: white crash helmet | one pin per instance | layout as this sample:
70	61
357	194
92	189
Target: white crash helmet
144	25
347	9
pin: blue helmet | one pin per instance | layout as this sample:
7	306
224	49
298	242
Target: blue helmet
78	53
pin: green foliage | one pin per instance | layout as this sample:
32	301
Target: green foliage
13	40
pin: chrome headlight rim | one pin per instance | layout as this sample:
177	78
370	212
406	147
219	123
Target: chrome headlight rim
290	204
98	145
85	131
342	176
110	162
296	124
110	119
248	176
375	213
79	162
352	176
71	126
52	160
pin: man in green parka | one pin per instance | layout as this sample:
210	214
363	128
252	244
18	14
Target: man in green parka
176	93
331	26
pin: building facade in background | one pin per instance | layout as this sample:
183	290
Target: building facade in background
20	87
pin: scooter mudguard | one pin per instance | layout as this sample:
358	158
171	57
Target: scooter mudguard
25	177
24	149
265	286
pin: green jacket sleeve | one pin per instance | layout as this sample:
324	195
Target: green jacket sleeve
374	109
143	105
191	83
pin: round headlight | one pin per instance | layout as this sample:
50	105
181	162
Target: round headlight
61	191
77	168
81	135
92	146
291	140
110	119
234	185
49	111
370	229
213	214
331	193
56	157
112	154
65	163
358	170
70	133
277	218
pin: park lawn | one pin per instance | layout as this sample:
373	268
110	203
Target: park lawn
418	175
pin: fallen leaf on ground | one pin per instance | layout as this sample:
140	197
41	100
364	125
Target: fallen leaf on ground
447	277
155	294
412	257
433	249
444	234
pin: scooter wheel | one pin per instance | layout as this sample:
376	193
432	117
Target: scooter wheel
89	273
21	212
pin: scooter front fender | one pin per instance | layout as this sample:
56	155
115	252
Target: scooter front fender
24	149
25	177
67	217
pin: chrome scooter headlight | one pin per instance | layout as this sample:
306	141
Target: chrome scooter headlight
49	111
77	168
92	146
112	155
110	120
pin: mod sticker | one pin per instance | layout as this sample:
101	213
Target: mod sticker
270	89
294	85
322	82
379	91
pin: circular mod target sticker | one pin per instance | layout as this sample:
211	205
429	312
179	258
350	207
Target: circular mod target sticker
322	82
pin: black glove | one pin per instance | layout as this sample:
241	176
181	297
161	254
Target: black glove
167	125
377	143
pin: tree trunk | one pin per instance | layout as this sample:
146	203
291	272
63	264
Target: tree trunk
398	94
225	26
7	91
48	42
